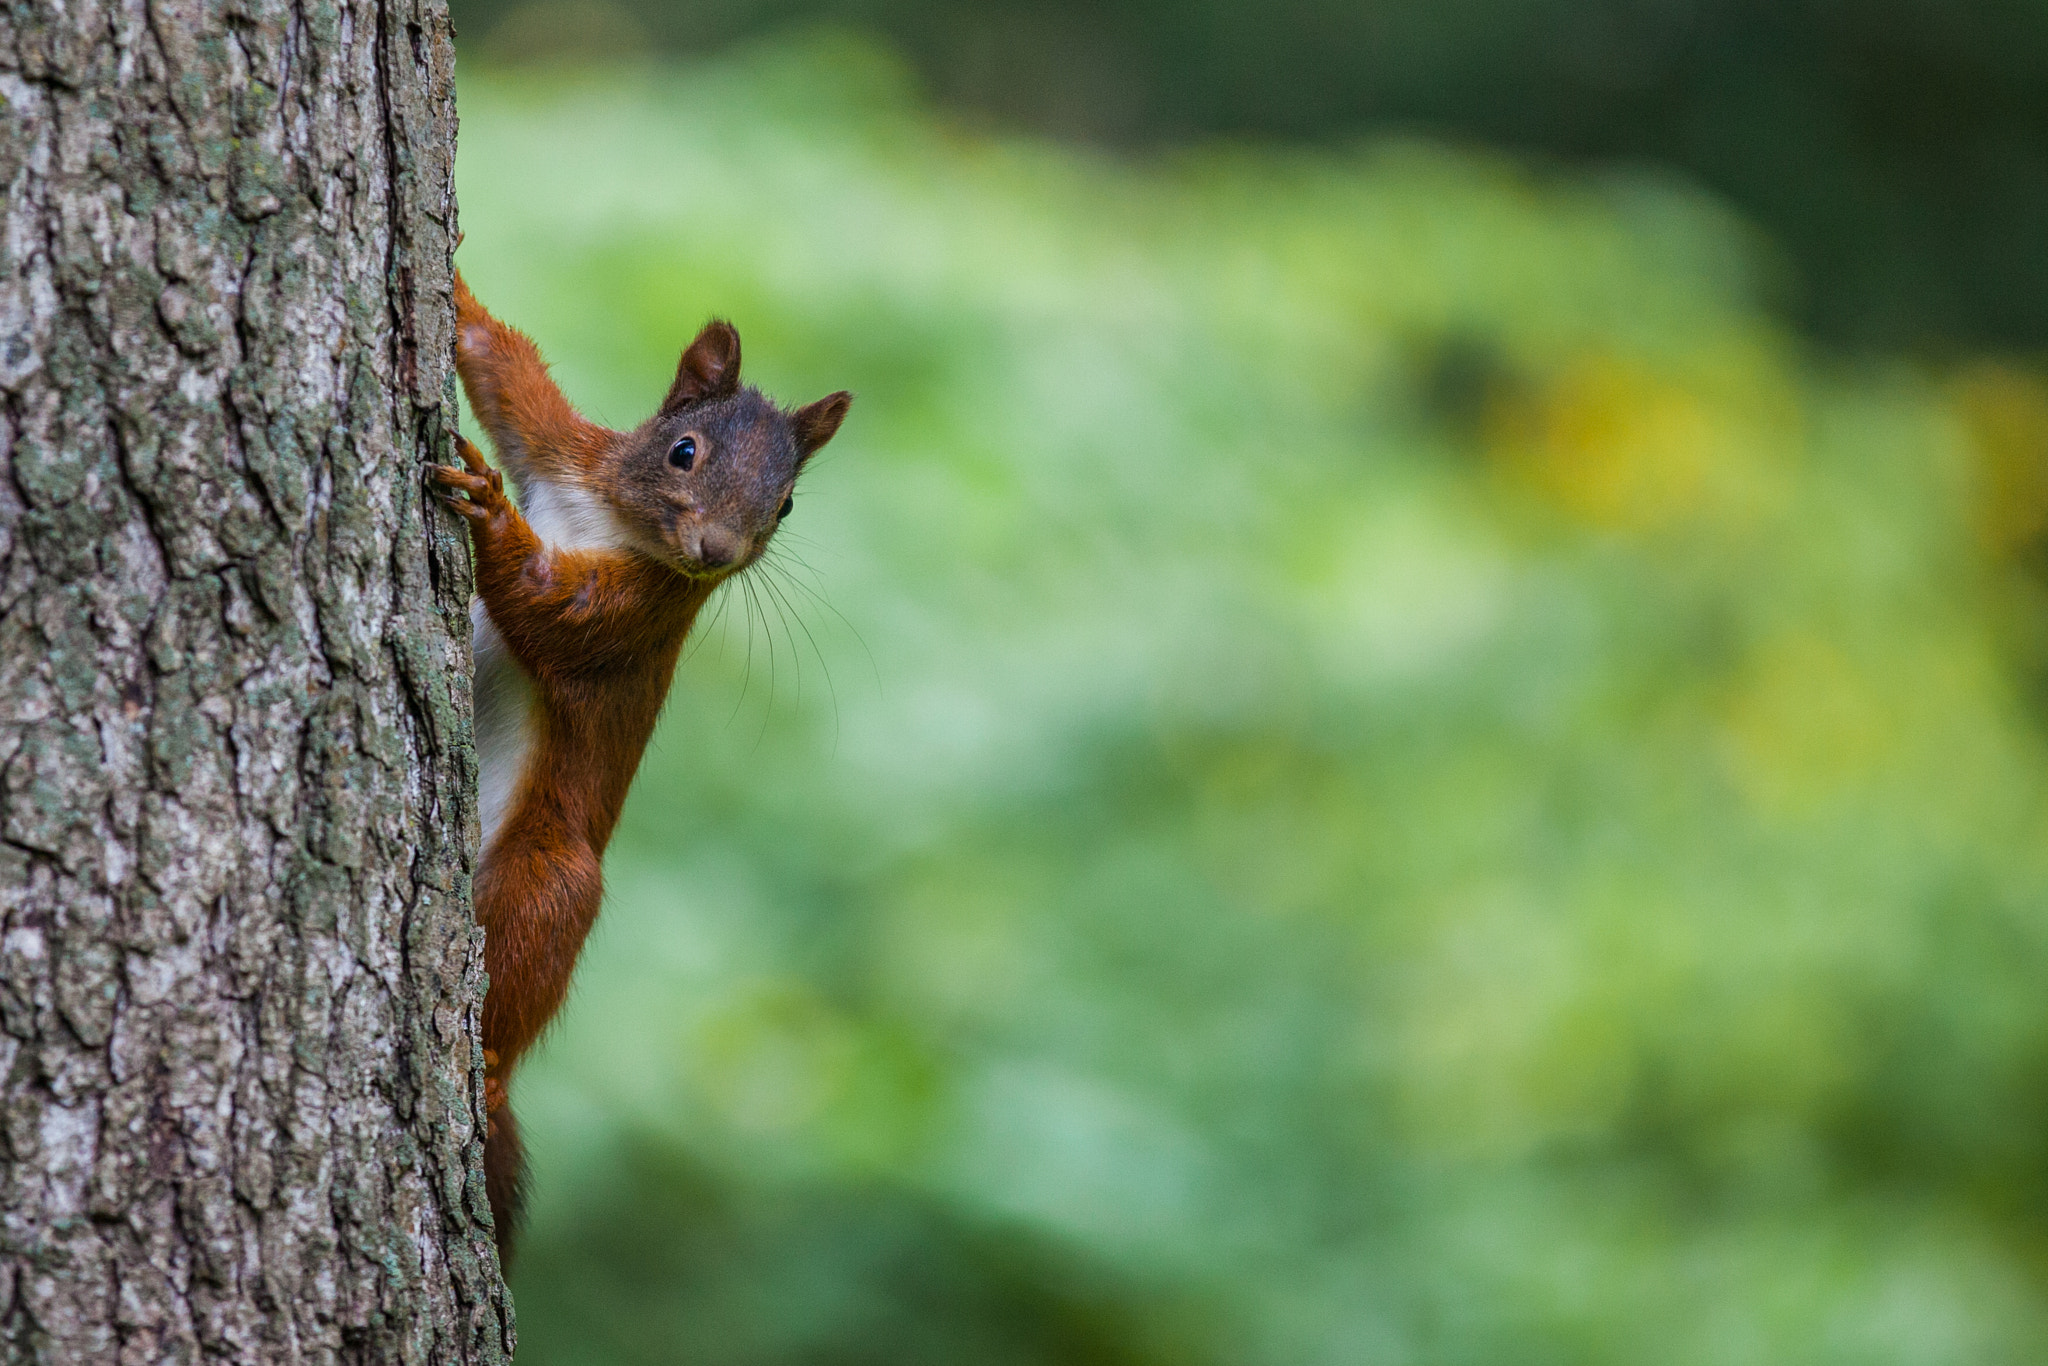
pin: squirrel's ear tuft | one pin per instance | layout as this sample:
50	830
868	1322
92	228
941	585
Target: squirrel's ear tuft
710	367
814	423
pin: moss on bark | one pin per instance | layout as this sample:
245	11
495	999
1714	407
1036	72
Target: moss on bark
240	1104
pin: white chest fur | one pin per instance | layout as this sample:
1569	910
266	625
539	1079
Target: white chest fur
569	518
565	518
505	723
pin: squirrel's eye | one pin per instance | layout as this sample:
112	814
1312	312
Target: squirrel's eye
684	453
787	504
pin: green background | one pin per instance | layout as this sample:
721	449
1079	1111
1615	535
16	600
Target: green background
1358	754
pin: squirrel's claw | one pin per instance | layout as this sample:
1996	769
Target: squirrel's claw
448	477
475	496
474	459
484	487
476	512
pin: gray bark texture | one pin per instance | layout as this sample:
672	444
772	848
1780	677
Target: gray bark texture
240	1094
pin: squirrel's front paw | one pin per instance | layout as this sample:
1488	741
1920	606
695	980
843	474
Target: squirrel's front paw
477	492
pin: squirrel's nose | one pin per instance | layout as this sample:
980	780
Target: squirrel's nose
717	548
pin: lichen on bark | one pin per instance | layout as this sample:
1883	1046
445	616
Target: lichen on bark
240	1104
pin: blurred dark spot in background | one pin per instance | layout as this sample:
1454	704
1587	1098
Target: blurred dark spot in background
1896	149
669	1262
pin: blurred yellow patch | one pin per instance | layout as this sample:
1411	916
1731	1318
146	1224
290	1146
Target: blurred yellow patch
1804	725
1627	449
2005	410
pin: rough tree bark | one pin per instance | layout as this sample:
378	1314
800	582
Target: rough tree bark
240	1105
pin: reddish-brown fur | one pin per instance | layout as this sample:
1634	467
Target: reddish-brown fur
598	632
516	399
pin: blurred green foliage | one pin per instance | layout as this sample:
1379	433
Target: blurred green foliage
1353	757
1897	150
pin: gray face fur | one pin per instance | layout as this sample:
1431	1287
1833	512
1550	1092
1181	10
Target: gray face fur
714	517
709	506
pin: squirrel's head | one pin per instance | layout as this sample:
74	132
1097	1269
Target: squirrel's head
710	476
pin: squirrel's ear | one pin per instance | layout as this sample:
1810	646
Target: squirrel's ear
814	423
710	367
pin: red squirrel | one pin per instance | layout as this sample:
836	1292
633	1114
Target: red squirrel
584	595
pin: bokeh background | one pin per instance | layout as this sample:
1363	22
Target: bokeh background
1406	727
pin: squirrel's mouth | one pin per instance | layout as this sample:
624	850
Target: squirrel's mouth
701	572
708	550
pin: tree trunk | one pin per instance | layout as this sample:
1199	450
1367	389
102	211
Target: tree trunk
240	1100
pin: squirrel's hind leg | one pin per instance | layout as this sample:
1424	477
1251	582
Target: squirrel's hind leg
505	1180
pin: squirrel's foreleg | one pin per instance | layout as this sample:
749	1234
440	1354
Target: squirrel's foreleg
534	427
510	558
